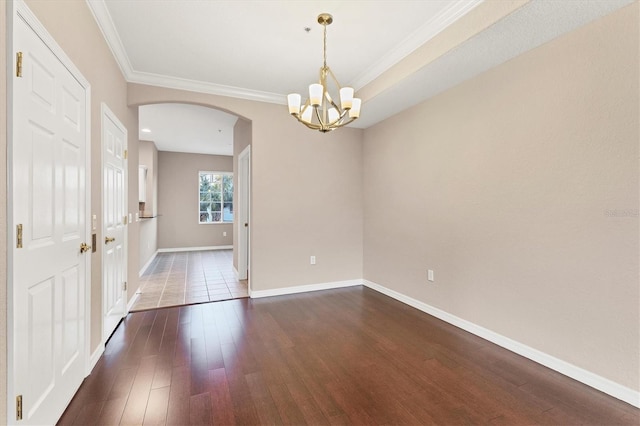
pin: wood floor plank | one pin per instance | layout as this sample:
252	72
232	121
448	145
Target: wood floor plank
156	410
200	410
140	389
345	356
221	403
179	396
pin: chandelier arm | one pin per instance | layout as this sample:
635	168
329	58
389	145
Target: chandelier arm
335	80
309	125
322	125
351	120
337	120
336	106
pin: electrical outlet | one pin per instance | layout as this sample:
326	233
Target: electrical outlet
312	260
430	275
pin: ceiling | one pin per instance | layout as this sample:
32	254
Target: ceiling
187	128
259	50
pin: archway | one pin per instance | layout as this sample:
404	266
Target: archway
166	236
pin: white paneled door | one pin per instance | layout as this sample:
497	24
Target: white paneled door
244	209
114	202
49	257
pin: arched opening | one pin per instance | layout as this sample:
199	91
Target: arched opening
194	216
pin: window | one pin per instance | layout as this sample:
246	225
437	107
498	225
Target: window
216	197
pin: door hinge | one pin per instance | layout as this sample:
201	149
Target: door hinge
125	286
19	236
19	64
19	407
126	154
125	219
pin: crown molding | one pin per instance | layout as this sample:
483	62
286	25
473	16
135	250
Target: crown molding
103	18
416	39
105	23
205	87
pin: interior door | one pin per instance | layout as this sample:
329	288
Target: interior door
114	253
48	206
244	191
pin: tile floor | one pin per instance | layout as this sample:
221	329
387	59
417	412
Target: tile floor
182	278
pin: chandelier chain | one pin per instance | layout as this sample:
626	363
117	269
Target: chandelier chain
324	43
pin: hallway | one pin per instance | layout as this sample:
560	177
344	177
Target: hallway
184	278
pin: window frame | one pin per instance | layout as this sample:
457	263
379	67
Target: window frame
221	174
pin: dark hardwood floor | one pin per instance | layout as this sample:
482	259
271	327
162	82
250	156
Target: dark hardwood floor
346	356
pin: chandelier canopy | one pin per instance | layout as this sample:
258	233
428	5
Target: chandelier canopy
320	111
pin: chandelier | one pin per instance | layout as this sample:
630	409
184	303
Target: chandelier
320	111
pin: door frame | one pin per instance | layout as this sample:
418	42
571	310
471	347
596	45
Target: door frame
19	10
106	113
244	216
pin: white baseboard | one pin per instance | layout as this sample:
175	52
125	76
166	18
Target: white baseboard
146	265
600	383
95	357
303	288
236	273
167	250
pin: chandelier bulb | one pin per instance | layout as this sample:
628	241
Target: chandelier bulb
315	94
294	103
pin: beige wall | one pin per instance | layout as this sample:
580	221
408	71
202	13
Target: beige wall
178	201
241	140
306	192
74	29
3	211
148	156
505	187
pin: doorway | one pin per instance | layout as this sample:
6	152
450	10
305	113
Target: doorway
193	215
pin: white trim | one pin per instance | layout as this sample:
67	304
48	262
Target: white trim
426	32
101	14
146	265
255	294
235	273
95	357
107	27
169	250
600	383
205	87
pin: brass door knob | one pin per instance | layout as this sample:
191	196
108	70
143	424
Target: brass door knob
108	240
84	248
